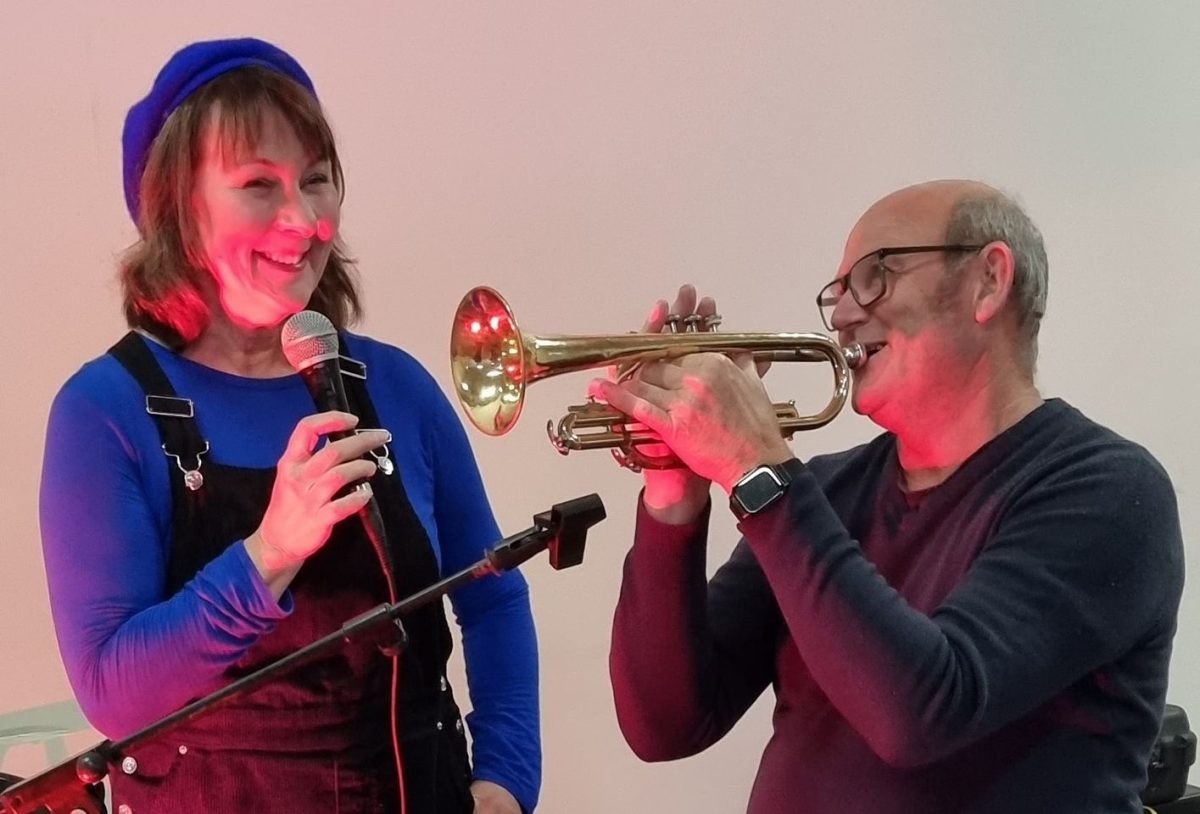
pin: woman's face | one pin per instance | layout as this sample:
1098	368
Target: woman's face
266	218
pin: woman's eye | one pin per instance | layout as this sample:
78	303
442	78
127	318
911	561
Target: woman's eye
257	183
317	178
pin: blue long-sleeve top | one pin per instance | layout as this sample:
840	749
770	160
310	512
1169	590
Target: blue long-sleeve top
134	654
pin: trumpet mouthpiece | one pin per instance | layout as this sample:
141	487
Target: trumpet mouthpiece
855	354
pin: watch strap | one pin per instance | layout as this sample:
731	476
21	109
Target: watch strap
762	486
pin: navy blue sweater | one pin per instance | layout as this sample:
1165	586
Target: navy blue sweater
999	643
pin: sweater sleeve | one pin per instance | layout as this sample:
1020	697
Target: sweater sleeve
499	642
687	659
1083	566
132	654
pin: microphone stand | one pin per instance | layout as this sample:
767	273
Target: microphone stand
75	786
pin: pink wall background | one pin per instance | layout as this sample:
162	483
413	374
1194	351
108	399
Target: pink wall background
585	158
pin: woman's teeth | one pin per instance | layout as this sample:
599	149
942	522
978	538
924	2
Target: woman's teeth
284	259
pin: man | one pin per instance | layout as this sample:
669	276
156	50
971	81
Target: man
971	613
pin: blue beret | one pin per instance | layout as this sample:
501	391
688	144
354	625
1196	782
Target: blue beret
185	72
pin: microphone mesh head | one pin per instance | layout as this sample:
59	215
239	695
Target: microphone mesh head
308	338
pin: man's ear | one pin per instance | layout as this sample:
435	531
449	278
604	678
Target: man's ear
994	281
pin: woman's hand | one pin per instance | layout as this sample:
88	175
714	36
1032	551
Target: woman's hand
304	505
491	798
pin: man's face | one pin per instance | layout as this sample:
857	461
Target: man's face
918	333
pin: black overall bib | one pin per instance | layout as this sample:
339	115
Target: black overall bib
318	738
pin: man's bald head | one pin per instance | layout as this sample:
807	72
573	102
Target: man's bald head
965	212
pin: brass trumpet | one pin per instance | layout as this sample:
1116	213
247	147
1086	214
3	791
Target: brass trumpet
492	362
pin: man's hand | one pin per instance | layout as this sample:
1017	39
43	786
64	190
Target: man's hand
711	410
674	496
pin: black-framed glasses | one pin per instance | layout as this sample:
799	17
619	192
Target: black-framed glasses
867	278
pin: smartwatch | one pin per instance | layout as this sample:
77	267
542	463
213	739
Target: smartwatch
758	489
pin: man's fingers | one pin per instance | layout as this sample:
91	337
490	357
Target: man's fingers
633	398
685	300
667	375
656	318
745	361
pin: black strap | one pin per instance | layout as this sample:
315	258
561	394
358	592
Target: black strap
174	416
412	552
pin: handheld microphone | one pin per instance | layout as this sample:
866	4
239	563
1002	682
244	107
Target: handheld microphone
310	343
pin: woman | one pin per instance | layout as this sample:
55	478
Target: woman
190	510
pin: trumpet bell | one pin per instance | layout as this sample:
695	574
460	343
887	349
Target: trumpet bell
488	361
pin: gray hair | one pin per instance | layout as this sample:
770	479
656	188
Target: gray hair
979	218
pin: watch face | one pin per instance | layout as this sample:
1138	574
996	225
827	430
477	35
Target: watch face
757	491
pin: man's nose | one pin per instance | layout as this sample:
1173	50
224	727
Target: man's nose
847	313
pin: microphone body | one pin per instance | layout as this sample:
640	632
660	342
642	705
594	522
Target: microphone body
324	380
310	343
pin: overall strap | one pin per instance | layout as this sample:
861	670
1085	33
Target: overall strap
417	558
437	772
411	550
183	445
